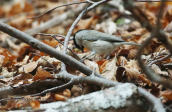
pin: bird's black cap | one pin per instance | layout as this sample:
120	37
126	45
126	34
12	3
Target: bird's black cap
74	40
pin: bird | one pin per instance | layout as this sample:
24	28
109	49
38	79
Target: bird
98	42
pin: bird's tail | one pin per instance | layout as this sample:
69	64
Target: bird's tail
129	43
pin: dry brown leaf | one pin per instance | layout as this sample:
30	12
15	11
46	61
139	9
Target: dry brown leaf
109	71
67	93
22	103
144	79
2	59
170	73
132	54
5	72
133	73
41	75
84	23
23	62
158	71
28	68
35	104
19	8
2	12
59	97
122	61
76	90
137	32
167	94
133	64
15	9
102	67
21	23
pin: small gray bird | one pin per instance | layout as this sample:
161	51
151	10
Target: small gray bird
98	42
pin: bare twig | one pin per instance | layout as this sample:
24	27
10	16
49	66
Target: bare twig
67	85
159	59
52	35
57	7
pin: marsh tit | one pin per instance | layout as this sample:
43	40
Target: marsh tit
98	42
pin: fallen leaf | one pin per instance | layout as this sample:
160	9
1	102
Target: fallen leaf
132	73
28	68
35	104
109	72
41	75
158	71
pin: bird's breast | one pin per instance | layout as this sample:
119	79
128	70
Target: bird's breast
100	46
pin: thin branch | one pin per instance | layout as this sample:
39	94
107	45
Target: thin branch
67	85
168	55
57	7
52	35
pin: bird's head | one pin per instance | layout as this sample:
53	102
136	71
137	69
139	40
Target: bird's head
77	38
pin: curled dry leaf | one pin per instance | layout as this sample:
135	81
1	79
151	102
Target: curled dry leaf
35	104
132	53
158	71
144	79
67	93
132	73
109	72
59	97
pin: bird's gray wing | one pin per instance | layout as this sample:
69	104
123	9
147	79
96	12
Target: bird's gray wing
101	36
